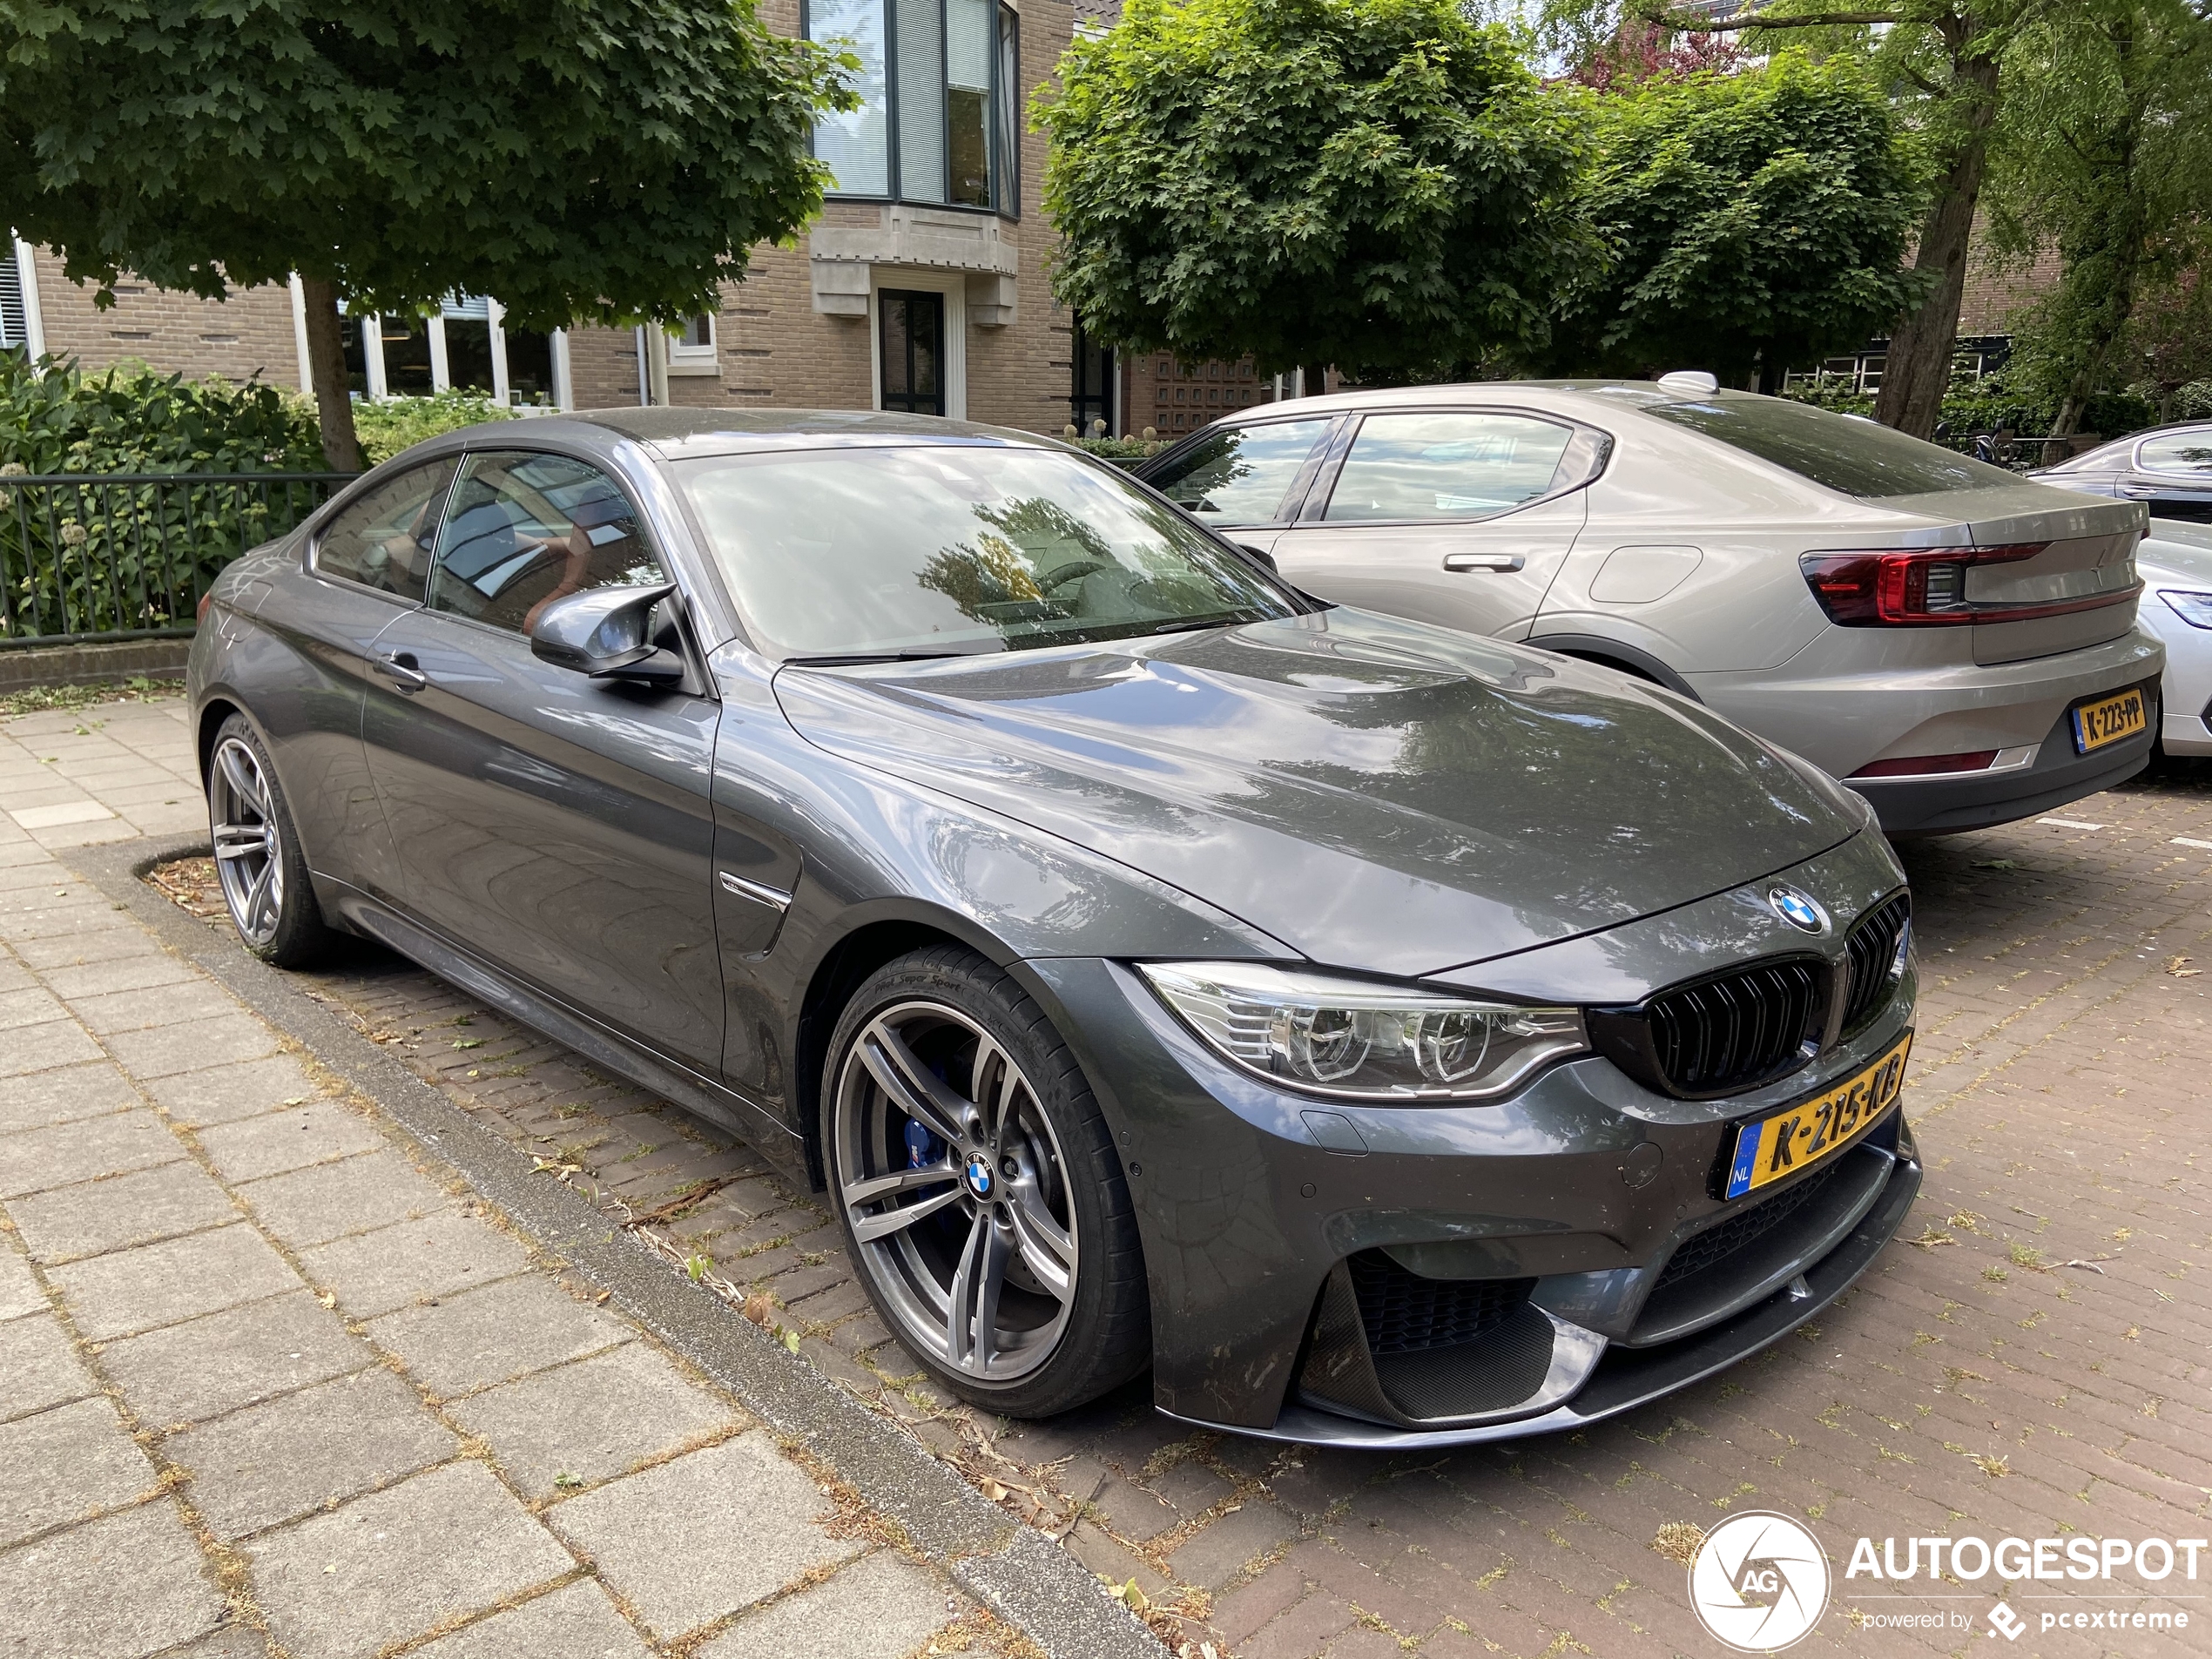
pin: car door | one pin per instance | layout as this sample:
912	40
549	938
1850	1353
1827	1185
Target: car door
1244	481
555	825
1458	517
365	567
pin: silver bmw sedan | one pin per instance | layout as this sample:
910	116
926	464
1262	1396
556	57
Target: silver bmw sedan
1383	1035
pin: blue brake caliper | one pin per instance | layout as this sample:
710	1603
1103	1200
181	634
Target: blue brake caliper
923	1148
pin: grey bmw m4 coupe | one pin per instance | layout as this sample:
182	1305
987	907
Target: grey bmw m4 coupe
1385	1035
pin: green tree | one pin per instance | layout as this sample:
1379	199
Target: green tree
1375	184
1757	221
2107	156
1945	59
603	159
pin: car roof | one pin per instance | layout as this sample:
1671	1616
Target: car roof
1615	394
685	432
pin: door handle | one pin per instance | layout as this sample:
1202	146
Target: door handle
1499	562
399	668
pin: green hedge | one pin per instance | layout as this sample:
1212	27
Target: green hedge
53	418
390	424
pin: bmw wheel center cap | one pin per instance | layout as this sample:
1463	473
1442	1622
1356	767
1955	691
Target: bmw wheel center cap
979	1179
1800	909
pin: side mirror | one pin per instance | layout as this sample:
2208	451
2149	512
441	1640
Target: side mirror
606	633
1257	556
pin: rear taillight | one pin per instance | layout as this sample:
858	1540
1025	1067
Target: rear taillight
205	600
1929	766
1927	588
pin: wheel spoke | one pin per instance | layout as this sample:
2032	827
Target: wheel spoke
1048	1250
971	1318
257	897
236	840
993	1082
884	1186
867	1229
245	786
909	1084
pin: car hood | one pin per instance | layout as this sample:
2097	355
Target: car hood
1376	794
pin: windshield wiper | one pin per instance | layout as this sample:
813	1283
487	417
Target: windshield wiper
846	659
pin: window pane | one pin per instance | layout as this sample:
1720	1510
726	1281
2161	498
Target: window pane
1241	474
968	98
407	356
913	336
921	101
2182	452
526	529
469	354
1446	465
529	365
349	336
382	539
935	548
1008	181
1853	456
857	146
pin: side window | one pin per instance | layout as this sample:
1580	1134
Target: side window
1445	466
382	539
525	528
2179	452
1240	475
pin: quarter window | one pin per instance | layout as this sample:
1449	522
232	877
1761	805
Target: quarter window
1240	475
383	539
1445	466
526	528
940	94
2179	452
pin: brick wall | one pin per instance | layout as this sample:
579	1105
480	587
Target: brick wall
1995	295
251	333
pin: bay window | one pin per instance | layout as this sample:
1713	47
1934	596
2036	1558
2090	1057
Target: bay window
940	90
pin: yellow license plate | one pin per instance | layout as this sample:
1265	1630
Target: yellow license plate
1785	1142
2108	720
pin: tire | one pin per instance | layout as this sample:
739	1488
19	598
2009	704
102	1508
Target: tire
258	860
940	1063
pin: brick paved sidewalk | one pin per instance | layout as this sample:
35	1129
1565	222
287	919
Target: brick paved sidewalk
2033	1362
270	1383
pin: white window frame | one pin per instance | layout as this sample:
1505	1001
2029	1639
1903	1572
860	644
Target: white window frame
696	360
905	279
440	376
34	323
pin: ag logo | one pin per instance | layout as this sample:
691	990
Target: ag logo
2003	1622
1760	1582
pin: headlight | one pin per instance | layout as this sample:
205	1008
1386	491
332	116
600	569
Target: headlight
2195	608
1350	1037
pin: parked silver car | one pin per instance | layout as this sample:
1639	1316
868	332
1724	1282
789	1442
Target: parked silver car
2176	567
1956	643
2169	471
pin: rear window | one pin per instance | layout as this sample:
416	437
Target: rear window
1838	452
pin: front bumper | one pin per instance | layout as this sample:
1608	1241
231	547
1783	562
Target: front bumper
1569	1202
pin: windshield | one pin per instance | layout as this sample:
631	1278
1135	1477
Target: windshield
1835	451
944	548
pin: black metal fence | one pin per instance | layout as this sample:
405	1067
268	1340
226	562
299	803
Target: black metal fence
127	555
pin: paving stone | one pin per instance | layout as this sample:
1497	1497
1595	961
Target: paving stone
164	1050
225	1642
193	1002
19	1291
881	1606
299	1452
135	1290
224	1094
706	1535
395	1563
58	1596
39	1367
29	1006
576	1621
374	1273
188	1372
313	1205
123	940
1221	1551
276	1141
40	1047
129	973
64	1464
63	1154
63	1095
95	1216
490	1334
590	1419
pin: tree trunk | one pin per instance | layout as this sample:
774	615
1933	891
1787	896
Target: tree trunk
327	368
1317	379
1919	369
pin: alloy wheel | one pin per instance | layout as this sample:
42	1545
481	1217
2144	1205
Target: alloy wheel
249	856
955	1189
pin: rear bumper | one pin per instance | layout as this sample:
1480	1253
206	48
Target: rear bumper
1946	805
